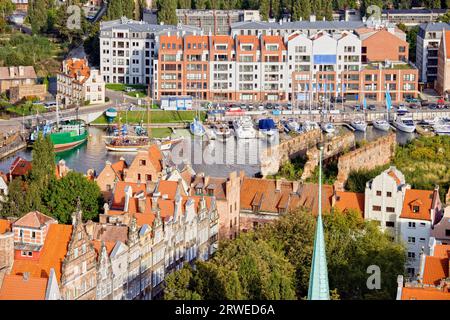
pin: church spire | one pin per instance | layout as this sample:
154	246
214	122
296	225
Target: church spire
318	278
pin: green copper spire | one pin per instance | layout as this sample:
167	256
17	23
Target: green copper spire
318	278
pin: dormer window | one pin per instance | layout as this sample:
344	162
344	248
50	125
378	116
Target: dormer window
142	163
198	191
415	209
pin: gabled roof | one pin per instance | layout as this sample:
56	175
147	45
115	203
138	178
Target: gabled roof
350	200
15	287
110	233
119	166
156	157
34	219
5	226
20	167
441	250
424	294
421	198
436	269
20	72
98	244
52	254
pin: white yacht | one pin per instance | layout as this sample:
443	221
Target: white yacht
222	131
243	128
267	128
442	128
293	125
381	124
359	125
405	124
309	125
328	127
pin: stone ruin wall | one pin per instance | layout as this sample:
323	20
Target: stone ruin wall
374	154
331	148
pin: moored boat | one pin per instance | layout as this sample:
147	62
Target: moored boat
267	128
381	124
197	128
243	128
328	127
405	124
359	125
110	114
222	131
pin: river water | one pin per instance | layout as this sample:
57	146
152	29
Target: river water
215	159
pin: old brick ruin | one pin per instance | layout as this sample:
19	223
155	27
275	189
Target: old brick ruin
331	147
374	154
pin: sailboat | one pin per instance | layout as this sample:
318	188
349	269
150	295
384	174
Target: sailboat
196	127
360	124
122	142
383	124
327	127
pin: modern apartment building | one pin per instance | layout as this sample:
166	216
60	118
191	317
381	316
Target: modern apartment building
279	68
443	70
412	17
128	47
427	46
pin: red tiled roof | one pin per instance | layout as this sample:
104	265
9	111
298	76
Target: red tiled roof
34	219
97	244
20	167
14	287
421	198
78	69
5	226
156	157
436	269
119	166
350	200
52	254
424	294
441	250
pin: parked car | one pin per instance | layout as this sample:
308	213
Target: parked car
414	106
371	107
50	104
412	100
261	107
129	89
432	106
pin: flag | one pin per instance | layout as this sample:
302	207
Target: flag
343	88
364	103
331	87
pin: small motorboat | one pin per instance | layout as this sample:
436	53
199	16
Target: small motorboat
197	128
293	125
381	124
442	128
309	125
328	127
222	131
359	125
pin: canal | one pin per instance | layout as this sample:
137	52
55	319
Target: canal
215	159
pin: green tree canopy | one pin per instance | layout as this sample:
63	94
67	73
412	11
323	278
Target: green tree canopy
167	11
60	199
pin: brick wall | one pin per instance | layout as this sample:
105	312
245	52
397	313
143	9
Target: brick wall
376	153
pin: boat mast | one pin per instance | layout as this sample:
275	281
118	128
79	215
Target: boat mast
148	112
57	113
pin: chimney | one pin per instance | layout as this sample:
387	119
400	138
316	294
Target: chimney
21	71
128	195
26	276
141	204
278	183
155	197
11	72
295	185
312	18
148	187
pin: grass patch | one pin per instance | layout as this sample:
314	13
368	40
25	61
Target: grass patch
25	109
160	116
160	132
121	86
136	94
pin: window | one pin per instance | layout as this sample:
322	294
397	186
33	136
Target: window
139	176
75	253
33	235
411	224
376	208
378	193
447	232
411	271
390	209
390	224
422	239
411	240
415	209
412	255
142	162
389	194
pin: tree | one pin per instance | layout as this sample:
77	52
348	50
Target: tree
301	9
43	163
245	268
264	9
14	205
445	17
37	15
119	8
357	179
60	200
167	11
352	245
6	8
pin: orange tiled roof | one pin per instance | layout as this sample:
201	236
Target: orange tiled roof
350	200
262	192
421	198
441	250
156	157
447	44
97	244
78	69
34	219
5	226
168	188
14	287
436	269
275	40
52	254
424	294
119	166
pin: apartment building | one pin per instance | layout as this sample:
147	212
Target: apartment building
406	214
413	16
128	47
77	83
280	68
443	70
286	28
427	46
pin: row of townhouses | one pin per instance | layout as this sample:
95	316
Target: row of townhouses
261	61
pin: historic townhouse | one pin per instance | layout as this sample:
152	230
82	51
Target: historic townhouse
111	173
146	166
77	83
405	213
